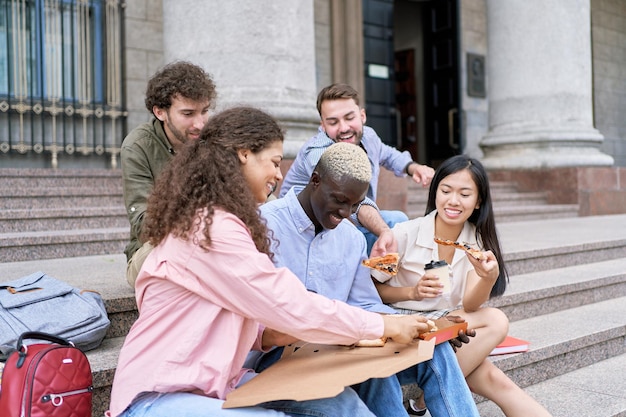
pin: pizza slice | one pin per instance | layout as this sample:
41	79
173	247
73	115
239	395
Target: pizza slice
476	253
387	264
432	327
380	342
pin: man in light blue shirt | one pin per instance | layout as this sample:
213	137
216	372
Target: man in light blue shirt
313	238
343	120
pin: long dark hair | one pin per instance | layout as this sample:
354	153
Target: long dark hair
482	217
206	174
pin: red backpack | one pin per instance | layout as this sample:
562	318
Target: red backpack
46	379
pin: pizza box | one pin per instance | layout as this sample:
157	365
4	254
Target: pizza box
311	371
447	330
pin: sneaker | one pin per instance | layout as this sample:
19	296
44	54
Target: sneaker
414	410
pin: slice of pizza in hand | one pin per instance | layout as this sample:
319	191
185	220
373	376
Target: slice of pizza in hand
475	253
387	264
380	342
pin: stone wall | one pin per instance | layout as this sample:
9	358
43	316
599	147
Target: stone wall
597	190
608	32
143	54
473	26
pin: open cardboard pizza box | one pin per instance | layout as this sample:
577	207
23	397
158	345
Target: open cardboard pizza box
314	371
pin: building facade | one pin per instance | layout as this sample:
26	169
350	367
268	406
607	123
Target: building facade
525	86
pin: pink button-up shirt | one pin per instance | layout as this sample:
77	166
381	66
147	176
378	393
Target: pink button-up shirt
200	313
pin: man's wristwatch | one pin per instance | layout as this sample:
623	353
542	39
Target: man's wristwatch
407	167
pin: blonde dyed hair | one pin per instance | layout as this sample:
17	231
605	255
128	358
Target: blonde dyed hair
345	160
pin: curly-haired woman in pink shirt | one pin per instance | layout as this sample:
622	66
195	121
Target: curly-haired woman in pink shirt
209	293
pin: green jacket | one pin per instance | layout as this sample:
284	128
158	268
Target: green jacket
145	151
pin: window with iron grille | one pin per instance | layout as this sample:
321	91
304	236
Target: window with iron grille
60	78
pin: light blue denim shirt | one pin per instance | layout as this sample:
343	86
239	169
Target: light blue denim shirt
378	154
328	263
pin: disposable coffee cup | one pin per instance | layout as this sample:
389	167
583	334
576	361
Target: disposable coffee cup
440	268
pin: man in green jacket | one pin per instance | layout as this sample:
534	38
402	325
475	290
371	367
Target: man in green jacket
179	96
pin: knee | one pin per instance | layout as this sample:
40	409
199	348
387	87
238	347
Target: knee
497	321
498	379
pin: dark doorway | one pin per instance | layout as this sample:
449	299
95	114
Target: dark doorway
441	80
380	100
406	101
412	92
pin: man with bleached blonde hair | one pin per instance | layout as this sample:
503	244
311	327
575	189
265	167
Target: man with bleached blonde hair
315	240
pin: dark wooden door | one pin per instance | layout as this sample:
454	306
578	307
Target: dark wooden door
379	69
406	101
441	75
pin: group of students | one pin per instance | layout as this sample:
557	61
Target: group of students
224	277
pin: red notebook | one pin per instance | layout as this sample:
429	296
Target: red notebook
511	345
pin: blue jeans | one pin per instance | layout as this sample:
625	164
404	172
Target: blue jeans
445	390
391	218
185	404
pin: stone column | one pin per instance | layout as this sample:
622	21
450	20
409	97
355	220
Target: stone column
540	86
260	53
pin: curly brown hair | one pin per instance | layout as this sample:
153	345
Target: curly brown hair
179	78
206	174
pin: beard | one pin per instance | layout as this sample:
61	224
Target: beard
180	136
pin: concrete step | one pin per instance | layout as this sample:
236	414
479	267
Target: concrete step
594	390
503	187
581	347
105	274
540	245
543	292
26	246
513	213
23	179
32	220
59	197
566	340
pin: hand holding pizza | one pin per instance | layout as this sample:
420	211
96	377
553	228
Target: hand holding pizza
486	268
386	243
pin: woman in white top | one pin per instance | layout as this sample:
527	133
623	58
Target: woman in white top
459	209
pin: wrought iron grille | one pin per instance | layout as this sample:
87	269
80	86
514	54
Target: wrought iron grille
61	77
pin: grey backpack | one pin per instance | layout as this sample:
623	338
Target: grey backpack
40	303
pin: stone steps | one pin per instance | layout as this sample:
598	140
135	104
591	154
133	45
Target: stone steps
552	303
566	272
24	179
45	219
59	197
594	390
51	244
46	214
509	204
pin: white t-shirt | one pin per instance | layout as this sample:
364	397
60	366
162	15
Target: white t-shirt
417	248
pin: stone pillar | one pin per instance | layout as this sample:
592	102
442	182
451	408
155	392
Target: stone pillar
260	53
540	86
